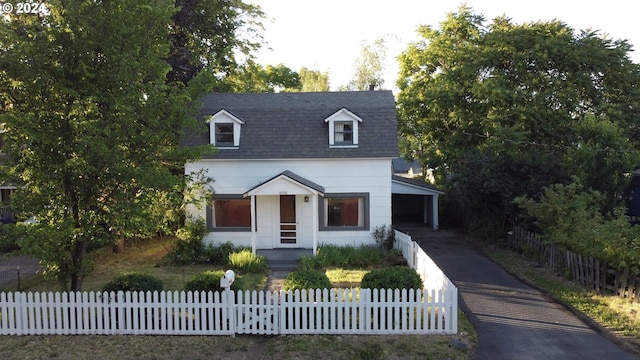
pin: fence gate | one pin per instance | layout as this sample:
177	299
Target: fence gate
257	313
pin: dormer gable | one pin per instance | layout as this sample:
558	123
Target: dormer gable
343	129
224	130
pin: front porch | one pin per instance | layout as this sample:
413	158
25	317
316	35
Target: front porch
284	214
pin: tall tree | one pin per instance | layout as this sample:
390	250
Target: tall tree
505	91
253	77
369	67
211	34
91	125
313	80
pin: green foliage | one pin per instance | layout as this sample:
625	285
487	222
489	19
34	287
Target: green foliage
9	236
246	261
395	277
370	67
501	110
218	255
75	82
208	36
252	77
313	80
210	281
384	237
348	257
309	262
306	279
134	282
189	247
572	217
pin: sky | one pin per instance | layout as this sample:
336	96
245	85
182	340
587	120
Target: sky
327	35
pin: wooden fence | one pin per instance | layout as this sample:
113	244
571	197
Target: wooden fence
592	273
335	311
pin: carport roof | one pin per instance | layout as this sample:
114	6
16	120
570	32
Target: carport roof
402	185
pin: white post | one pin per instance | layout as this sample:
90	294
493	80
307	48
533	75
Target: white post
253	224
436	225
314	212
225	282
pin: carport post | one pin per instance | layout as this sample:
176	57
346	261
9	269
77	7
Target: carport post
434	209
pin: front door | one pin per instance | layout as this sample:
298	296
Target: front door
288	225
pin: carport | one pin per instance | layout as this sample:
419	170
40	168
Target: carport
414	201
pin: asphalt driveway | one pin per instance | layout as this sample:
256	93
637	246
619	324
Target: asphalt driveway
513	320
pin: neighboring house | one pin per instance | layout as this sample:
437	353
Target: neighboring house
298	169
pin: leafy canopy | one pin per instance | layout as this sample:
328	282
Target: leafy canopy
91	125
504	108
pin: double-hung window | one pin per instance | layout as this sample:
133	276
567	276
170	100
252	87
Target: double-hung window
224	134
343	133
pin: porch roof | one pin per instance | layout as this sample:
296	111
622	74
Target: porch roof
289	178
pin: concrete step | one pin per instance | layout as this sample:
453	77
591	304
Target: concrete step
282	265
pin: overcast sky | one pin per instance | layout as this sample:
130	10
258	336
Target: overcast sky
327	35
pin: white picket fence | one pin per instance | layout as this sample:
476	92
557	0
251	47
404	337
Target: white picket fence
417	259
335	311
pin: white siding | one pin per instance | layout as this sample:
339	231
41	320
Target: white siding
371	176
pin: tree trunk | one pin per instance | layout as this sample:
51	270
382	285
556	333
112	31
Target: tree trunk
119	246
77	274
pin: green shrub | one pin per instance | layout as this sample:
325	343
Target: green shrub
219	255
9	234
134	282
395	277
349	257
189	247
309	262
210	281
248	262
306	279
384	237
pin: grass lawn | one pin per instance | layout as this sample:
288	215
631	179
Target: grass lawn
143	256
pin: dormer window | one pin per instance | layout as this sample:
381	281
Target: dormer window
343	133
224	134
224	130
343	129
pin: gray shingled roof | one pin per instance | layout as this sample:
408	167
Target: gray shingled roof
291	125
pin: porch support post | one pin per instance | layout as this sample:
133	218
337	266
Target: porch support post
314	212
253	224
435	212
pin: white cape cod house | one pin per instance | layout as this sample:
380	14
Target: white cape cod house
295	170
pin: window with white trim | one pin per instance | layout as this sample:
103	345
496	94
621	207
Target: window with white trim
343	133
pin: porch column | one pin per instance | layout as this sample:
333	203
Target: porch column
253	224
314	212
434	209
